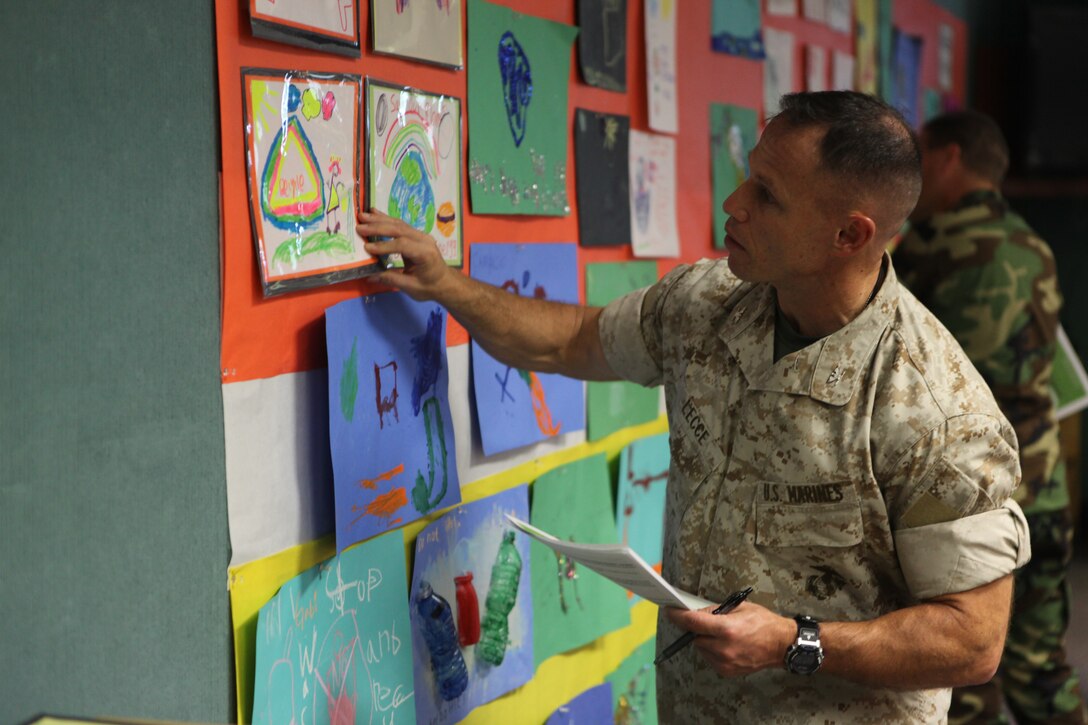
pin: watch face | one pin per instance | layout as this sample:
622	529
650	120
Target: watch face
804	661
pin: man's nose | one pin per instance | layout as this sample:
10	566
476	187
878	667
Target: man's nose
733	207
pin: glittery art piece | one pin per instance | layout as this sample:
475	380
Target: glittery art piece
518	72
517	84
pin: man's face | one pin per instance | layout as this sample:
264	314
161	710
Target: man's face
780	226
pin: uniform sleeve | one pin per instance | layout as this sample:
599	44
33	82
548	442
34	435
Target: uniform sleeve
955	526
983	307
631	330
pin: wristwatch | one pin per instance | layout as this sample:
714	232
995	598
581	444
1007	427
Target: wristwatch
805	656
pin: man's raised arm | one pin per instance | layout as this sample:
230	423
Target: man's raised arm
531	334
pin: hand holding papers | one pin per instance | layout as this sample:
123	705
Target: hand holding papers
620	564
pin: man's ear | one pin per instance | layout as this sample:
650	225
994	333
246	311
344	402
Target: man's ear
855	235
950	155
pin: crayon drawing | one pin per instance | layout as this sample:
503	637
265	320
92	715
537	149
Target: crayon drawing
602	43
518	407
634	687
414	161
652	181
328	25
865	44
518	72
615	405
661	64
428	30
732	138
303	158
334	644
393	454
470	564
592	706
573	605
640	499
777	69
735	28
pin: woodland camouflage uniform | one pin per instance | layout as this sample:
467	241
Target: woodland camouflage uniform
856	476
992	282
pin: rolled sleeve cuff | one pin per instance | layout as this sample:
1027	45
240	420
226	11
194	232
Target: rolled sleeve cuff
955	556
623	343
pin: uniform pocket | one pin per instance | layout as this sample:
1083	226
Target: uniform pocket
811	514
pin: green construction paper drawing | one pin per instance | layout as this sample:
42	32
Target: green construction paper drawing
573	605
518	72
634	687
732	136
616	405
1068	380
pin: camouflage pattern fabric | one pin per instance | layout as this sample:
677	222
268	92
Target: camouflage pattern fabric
992	282
796	477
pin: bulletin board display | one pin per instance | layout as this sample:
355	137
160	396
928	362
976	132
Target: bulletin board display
273	360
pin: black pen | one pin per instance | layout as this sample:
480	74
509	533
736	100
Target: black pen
685	639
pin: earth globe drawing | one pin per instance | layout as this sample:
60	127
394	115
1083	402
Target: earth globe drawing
410	196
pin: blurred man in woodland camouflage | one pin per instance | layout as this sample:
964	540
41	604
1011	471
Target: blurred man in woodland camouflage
991	280
832	447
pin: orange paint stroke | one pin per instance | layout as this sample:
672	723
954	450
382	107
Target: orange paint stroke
540	407
385	505
373	482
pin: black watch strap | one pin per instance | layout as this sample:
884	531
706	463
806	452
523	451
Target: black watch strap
806	654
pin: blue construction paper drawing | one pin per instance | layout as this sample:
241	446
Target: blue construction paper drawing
736	29
393	454
640	498
592	706
518	407
334	644
907	56
469	563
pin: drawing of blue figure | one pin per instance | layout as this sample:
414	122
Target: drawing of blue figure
427	350
644	176
411	197
517	84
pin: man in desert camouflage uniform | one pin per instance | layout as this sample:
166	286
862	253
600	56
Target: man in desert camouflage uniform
832	447
991	280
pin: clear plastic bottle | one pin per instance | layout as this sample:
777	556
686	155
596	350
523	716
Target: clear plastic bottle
441	637
503	593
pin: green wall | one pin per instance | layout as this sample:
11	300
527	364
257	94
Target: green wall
113	526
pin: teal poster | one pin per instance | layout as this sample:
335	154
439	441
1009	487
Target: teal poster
334	644
640	499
